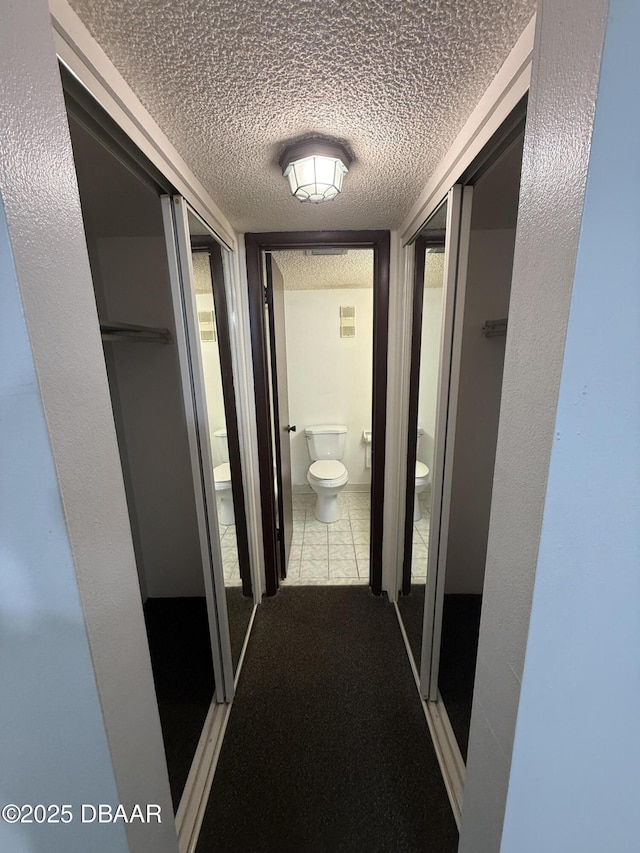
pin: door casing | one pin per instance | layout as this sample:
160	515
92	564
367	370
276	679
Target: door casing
256	245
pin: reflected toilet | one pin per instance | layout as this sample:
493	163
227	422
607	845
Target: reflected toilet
423	476
222	479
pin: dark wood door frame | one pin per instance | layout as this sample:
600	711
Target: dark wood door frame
283	459
212	248
256	245
420	246
436	239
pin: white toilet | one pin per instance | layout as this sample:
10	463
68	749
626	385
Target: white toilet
327	475
222	479
423	475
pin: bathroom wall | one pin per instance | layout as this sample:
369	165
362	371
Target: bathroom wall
210	356
329	376
430	354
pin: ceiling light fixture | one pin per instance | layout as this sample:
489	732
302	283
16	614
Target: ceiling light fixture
315	169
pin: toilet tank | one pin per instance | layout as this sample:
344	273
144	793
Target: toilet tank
221	446
326	441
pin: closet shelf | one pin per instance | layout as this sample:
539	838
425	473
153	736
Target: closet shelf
139	334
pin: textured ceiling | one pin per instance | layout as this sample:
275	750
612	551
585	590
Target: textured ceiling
316	272
230	81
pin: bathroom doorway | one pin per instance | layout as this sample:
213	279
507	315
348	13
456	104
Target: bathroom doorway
282	314
328	326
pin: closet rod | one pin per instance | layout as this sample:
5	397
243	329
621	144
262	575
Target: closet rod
139	334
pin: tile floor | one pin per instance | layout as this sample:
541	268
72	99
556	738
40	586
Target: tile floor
332	554
229	548
419	551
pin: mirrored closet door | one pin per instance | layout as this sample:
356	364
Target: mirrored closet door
434	304
200	293
462	282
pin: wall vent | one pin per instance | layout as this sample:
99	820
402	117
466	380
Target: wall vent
207	326
347	321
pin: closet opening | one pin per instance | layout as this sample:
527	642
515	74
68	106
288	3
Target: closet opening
195	627
462	282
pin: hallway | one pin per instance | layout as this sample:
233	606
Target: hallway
327	747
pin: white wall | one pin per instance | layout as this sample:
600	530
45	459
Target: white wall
52	739
78	691
487	298
212	371
329	376
430	343
574	775
556	156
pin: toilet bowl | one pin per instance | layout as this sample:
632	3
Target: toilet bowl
423	476
222	478
222	482
327	475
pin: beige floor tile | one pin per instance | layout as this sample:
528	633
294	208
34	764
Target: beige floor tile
314	569
314	552
360	537
340	537
343	569
343	525
359	512
341	552
316	537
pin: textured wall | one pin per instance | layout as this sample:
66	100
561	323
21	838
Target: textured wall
230	81
54	747
556	152
82	515
574	775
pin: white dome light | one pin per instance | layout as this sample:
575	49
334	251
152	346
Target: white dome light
315	169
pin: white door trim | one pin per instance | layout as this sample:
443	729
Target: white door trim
199	446
446	441
439	515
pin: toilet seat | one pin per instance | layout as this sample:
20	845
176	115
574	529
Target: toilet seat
328	472
222	476
422	470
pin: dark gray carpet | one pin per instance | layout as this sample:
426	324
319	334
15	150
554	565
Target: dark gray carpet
327	748
180	648
411	609
239	608
458	653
